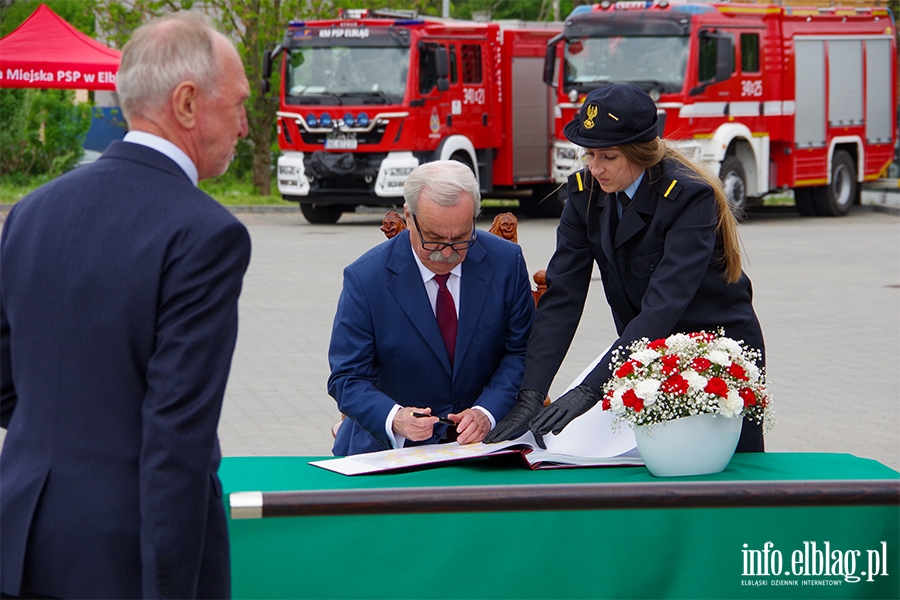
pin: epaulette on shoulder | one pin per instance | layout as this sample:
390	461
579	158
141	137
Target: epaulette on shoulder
670	187
578	181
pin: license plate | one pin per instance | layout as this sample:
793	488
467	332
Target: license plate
341	141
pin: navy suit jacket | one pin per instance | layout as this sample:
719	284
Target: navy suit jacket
118	319
386	348
661	270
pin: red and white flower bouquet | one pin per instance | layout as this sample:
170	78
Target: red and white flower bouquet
684	375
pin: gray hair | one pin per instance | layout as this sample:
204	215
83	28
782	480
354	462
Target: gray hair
163	54
443	181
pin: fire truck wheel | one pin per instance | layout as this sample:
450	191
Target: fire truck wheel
546	201
803	198
836	199
318	214
735	183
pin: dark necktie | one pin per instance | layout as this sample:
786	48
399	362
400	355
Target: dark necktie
614	207
445	311
620	201
623	201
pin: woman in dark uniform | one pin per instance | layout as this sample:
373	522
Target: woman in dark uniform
659	228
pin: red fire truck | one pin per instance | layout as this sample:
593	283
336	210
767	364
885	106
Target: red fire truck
366	98
770	97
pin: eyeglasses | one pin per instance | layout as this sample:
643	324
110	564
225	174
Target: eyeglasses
439	246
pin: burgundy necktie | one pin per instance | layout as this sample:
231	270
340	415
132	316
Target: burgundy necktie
445	311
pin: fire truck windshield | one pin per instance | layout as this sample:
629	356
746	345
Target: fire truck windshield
655	61
334	75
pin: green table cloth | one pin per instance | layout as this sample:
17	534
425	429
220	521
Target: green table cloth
744	552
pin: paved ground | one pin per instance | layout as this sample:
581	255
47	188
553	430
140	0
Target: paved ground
827	294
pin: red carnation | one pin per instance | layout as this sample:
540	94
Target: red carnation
738	372
631	400
747	396
626	369
716	386
676	384
657	344
606	400
670	364
701	364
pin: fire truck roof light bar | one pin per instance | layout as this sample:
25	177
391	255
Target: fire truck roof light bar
379	119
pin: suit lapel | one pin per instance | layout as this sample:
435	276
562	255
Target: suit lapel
474	289
405	284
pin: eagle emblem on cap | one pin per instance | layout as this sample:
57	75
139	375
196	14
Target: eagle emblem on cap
591	114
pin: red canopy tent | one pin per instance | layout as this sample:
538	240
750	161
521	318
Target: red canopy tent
47	52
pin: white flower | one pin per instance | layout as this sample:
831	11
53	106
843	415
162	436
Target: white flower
645	356
678	342
752	371
727	345
695	380
615	403
731	405
719	357
647	390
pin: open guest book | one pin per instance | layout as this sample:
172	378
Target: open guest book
588	441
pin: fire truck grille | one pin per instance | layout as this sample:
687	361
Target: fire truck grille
342	171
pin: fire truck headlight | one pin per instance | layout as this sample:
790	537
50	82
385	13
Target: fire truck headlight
362	119
395	177
348	119
311	120
287	170
565	153
692	152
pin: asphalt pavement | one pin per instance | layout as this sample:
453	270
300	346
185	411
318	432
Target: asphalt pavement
827	292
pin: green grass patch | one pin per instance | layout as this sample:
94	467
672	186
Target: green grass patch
13	189
495	203
231	192
783	199
227	192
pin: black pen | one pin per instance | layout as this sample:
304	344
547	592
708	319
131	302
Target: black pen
443	420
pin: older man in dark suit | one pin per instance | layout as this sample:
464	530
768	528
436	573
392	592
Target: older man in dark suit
118	298
432	322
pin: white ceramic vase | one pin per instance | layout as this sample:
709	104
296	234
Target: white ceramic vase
695	445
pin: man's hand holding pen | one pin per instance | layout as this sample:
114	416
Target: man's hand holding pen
417	424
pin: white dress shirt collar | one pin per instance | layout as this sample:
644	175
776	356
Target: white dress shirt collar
167	148
428	274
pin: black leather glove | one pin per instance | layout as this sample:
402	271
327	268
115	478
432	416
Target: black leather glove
567	407
528	404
